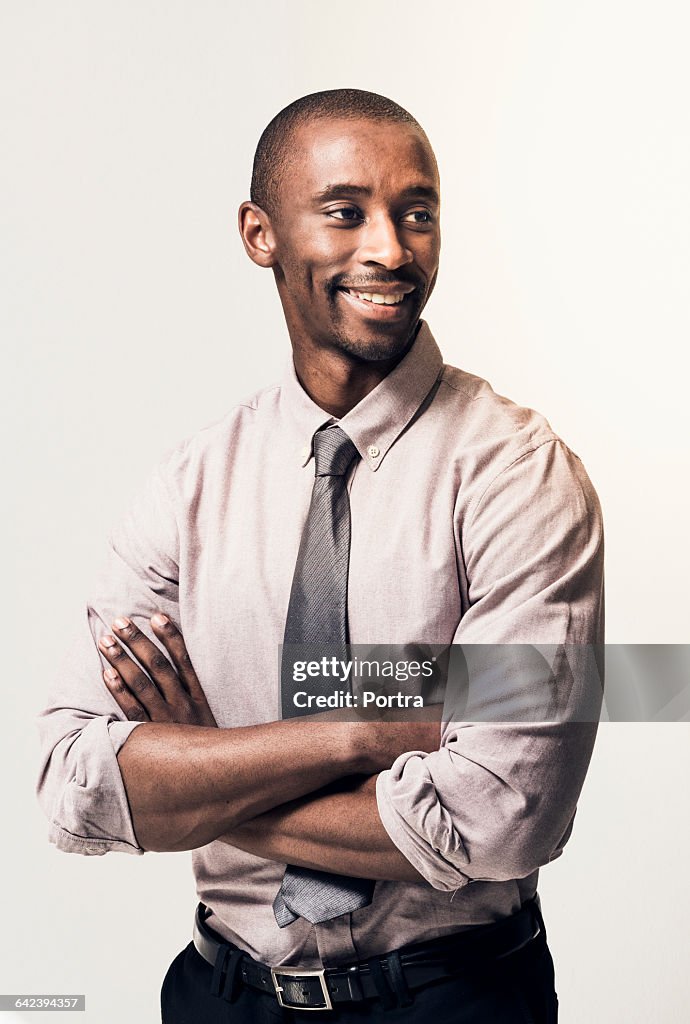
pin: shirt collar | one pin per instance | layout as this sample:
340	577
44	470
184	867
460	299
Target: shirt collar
375	423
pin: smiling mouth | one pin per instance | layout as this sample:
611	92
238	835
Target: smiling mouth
376	297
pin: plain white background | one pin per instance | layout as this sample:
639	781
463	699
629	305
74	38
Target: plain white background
131	317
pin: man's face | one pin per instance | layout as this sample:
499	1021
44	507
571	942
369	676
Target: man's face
357	236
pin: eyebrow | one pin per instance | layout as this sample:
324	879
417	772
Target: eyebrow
348	189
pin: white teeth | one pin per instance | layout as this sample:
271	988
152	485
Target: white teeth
381	300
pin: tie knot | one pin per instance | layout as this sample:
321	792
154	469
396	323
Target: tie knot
333	452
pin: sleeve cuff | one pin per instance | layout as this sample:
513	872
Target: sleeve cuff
69	843
416	822
93	815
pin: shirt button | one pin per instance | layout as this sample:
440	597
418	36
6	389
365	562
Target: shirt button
373	451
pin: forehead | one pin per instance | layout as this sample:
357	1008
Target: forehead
383	156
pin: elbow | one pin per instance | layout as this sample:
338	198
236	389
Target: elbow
459	861
516	851
427	840
450	850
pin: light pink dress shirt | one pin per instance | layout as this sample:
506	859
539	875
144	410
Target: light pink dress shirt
472	522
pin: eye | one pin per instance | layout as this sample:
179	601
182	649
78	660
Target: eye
421	216
350	214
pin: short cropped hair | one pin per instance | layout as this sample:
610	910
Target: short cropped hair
272	151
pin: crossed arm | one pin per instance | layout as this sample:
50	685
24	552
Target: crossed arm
300	791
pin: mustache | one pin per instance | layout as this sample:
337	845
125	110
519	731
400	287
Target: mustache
369	282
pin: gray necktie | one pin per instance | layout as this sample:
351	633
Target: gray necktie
317	614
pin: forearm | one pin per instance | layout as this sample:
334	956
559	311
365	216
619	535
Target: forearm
337	832
187	784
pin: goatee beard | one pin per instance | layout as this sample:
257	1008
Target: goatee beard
379	350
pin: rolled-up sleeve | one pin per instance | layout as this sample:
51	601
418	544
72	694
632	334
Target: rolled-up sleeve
81	728
498	799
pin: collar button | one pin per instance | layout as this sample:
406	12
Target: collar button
373	451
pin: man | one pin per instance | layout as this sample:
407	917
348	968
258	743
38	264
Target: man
375	496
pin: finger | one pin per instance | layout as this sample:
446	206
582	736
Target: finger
151	657
126	700
137	681
170	636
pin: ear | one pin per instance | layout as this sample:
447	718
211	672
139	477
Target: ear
257	234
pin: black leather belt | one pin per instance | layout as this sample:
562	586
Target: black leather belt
392	976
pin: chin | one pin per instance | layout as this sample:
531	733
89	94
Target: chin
376	349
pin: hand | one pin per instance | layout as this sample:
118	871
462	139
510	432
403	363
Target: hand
167	693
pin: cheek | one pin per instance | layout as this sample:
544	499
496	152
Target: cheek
315	253
427	251
305	281
427	258
303	284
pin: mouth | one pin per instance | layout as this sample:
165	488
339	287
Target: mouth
390	304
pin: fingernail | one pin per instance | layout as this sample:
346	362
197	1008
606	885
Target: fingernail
158	619
108	640
110	674
121	623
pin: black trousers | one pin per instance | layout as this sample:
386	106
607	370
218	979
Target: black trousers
518	989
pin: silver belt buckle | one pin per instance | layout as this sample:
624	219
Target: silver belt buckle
294	972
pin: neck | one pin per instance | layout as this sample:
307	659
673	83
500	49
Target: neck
335	380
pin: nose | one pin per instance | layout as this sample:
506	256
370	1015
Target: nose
380	244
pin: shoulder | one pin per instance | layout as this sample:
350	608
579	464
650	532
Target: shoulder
500	444
481	413
212	449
